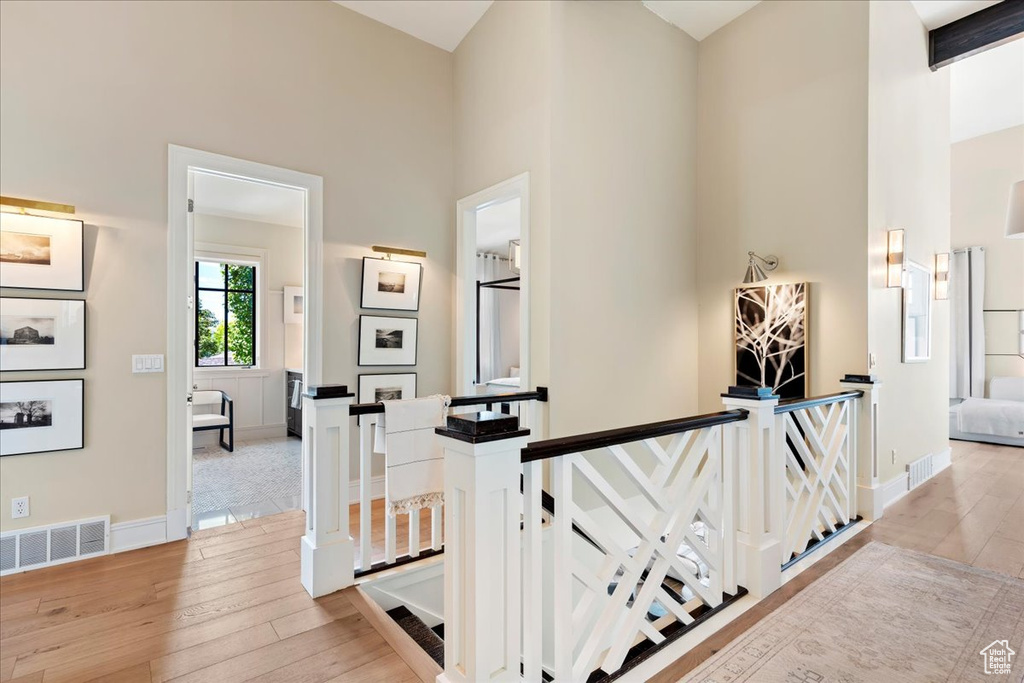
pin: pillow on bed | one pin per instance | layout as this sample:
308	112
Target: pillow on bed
513	371
1007	388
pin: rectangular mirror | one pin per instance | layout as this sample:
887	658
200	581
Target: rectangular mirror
917	313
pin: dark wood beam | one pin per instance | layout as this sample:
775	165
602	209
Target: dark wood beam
983	30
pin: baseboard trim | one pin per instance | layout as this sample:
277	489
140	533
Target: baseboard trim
895	489
138	533
942	460
376	489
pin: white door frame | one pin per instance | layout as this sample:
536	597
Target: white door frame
465	278
181	160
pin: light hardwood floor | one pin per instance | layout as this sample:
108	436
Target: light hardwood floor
224	606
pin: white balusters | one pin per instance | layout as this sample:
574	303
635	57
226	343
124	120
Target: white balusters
865	436
367	423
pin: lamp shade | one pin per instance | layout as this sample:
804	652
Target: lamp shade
1015	212
754	273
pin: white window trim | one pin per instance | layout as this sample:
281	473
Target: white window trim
249	256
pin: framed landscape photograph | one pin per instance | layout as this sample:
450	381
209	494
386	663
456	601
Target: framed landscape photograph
387	341
41	416
41	334
293	305
391	285
37	252
771	338
395	386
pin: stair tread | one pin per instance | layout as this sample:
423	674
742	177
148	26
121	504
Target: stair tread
427	638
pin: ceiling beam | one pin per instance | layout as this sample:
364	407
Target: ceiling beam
983	30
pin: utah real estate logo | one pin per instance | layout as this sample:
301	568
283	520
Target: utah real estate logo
998	657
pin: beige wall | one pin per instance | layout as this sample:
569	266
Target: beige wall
623	237
258	393
502	114
909	179
90	96
782	158
984	168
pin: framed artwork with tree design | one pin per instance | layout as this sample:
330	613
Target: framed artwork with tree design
771	338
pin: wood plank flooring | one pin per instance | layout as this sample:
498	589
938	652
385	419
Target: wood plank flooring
972	512
224	606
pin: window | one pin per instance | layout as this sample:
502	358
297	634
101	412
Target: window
225	314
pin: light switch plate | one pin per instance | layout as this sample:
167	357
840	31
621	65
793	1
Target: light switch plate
147	363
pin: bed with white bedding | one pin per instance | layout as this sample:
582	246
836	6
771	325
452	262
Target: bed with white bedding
998	420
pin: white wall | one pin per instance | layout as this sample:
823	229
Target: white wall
782	169
92	93
908	187
259	393
984	168
623	236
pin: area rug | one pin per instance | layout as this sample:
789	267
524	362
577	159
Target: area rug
885	615
257	471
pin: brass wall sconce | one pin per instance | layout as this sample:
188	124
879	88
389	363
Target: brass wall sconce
896	250
942	276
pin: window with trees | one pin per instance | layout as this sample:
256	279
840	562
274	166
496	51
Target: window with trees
225	314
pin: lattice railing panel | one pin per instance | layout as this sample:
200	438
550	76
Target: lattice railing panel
641	539
820	478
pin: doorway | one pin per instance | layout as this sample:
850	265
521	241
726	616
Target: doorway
244	329
493	289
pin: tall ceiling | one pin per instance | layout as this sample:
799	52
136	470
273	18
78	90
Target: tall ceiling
699	18
987	92
442	23
935	13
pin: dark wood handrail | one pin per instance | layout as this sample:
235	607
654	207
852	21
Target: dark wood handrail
541	394
552	448
789	405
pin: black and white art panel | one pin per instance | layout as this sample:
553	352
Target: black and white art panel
391	285
771	338
394	386
387	341
41	416
41	334
37	252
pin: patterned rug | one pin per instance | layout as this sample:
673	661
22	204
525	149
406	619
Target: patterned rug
885	615
257	471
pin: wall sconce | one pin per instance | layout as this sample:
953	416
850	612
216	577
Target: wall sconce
894	274
1015	212
942	276
396	250
515	253
754	272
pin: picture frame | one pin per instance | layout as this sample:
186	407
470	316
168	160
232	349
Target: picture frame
39	252
916	337
390	285
42	416
294	305
388	386
764	315
384	340
42	334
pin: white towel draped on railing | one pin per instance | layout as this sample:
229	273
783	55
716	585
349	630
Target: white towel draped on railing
414	476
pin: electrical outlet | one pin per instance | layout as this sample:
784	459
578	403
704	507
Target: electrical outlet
894	456
19	507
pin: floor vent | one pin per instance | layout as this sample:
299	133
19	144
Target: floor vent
46	546
920	471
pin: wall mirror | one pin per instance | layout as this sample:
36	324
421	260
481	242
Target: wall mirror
917	313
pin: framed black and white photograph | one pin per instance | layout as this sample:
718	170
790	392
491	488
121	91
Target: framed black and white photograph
37	252
391	285
771	338
41	416
41	334
395	386
293	305
387	341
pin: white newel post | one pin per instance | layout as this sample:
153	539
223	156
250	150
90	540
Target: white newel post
327	548
869	491
760	494
482	557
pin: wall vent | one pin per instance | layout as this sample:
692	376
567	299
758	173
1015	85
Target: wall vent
919	471
46	546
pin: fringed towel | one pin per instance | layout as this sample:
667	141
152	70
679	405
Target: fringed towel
414	476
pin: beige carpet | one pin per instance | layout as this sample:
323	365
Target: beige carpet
885	615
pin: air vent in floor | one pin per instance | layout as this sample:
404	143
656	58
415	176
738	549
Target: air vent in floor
46	546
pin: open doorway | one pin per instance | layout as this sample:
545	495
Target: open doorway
492	336
247	340
244	331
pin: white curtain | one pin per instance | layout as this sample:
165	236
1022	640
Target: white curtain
967	333
488	269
